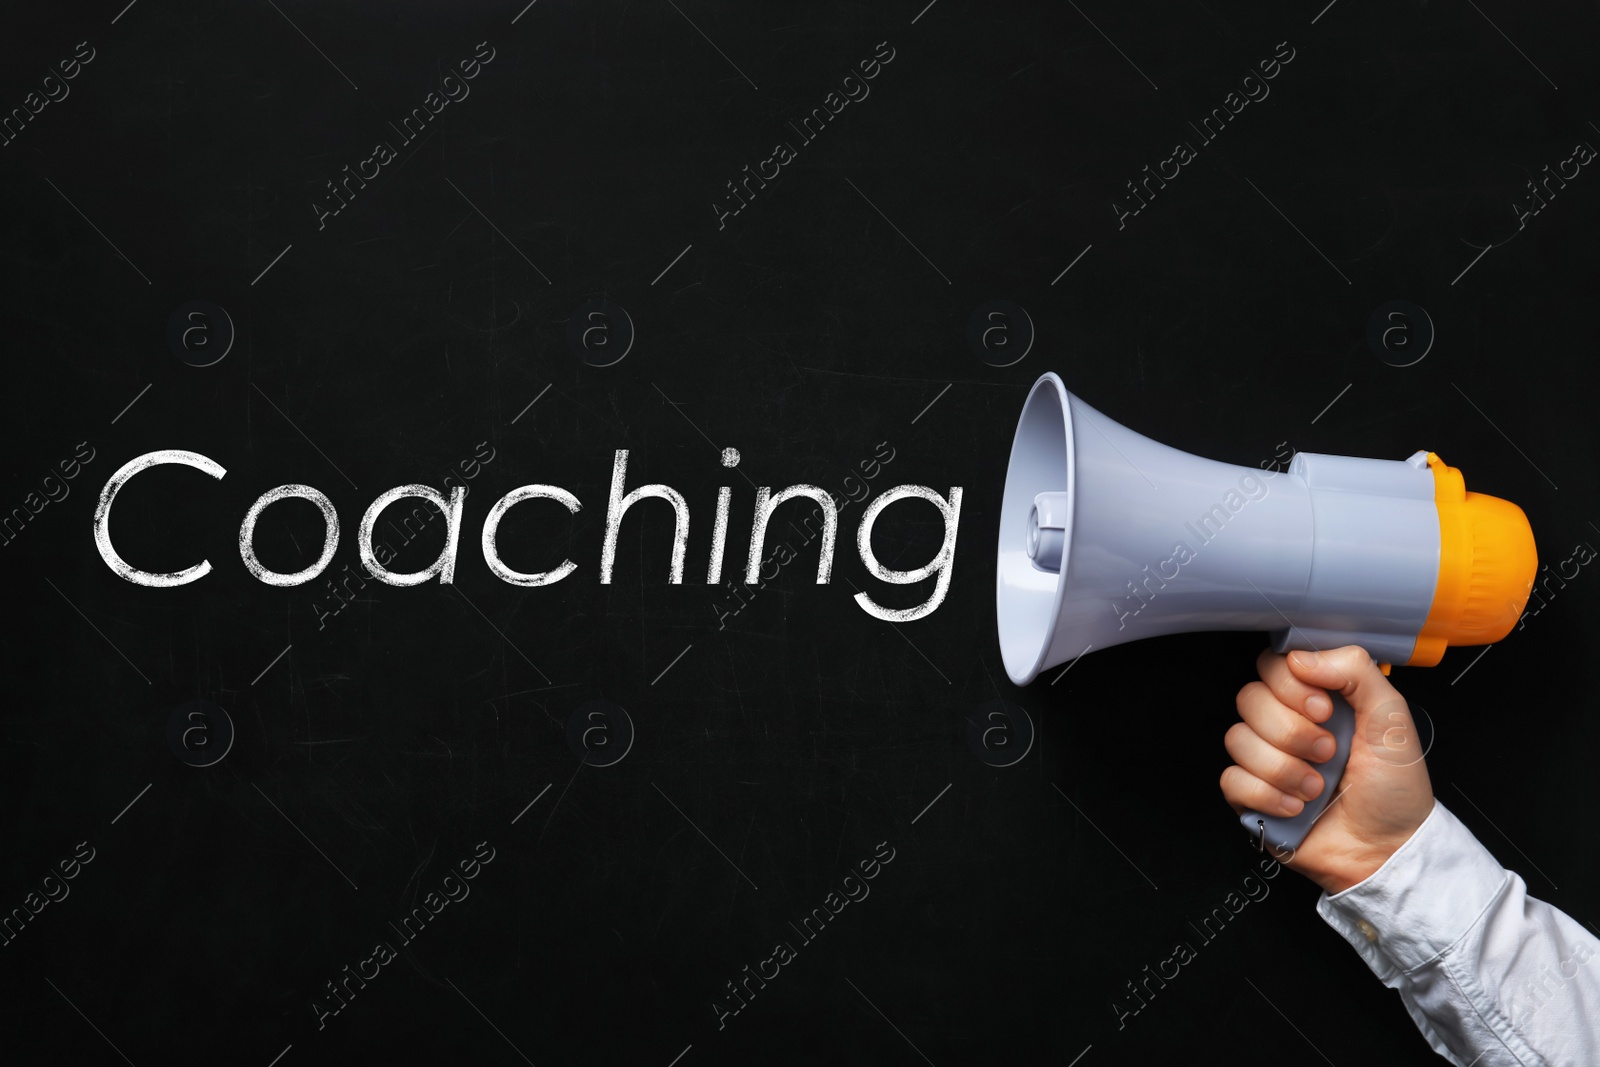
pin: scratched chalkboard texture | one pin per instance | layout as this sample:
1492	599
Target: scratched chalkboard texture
478	246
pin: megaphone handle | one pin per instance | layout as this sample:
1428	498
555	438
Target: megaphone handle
1287	833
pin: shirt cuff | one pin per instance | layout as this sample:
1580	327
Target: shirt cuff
1422	900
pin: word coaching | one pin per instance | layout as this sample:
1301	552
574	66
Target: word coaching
375	560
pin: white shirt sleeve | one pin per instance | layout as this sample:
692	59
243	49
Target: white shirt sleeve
1491	976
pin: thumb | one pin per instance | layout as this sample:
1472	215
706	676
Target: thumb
1348	671
1383	718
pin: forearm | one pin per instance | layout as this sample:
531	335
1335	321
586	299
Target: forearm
1490	975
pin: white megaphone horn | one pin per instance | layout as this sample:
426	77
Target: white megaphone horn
1107	536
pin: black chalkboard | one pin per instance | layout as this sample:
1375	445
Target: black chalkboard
481	246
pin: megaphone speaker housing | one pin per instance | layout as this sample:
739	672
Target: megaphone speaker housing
1107	536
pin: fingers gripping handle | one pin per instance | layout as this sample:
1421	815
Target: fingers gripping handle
1282	832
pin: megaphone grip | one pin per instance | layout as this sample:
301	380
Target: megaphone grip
1287	833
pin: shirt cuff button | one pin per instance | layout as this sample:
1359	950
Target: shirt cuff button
1370	931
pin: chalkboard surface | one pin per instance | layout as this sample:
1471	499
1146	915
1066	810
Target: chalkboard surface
606	816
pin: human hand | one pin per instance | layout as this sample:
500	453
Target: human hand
1384	792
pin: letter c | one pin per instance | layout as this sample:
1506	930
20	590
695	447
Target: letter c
762	969
491	526
102	518
1161	967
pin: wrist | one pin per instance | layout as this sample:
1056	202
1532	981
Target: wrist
1351	861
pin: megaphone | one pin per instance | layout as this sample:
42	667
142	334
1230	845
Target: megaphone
1107	536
